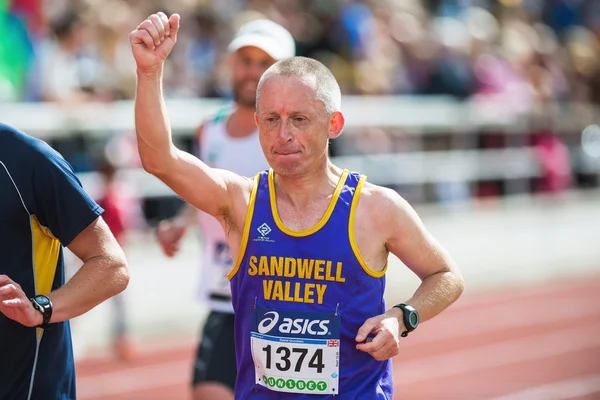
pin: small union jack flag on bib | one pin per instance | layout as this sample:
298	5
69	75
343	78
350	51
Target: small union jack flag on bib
333	343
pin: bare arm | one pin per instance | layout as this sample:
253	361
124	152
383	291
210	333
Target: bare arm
206	188
409	240
103	275
441	282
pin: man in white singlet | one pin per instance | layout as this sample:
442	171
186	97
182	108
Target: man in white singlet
229	140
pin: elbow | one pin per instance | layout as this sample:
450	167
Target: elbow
119	276
151	166
158	163
459	284
123	278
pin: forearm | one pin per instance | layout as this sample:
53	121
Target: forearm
97	280
436	293
152	127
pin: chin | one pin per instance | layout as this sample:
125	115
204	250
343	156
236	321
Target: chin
288	169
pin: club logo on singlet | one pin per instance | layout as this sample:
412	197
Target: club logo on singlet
264	231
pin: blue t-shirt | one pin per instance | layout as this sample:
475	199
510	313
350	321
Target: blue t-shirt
42	208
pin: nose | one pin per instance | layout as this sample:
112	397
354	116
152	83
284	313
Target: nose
284	135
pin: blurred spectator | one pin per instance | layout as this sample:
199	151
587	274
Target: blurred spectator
507	57
118	212
68	69
515	52
555	163
16	53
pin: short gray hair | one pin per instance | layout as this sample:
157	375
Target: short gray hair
327	88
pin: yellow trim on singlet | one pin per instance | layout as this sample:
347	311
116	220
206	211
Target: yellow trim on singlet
46	251
246	232
324	219
353	244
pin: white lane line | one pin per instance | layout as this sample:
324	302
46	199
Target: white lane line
497	355
518	294
562	390
482	357
502	317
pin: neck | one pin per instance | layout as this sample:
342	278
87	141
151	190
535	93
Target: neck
301	190
241	122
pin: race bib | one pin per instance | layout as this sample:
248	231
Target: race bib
296	352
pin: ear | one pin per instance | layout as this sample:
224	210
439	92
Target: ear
256	119
336	125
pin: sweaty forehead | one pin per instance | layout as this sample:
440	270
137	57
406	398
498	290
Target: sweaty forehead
285	92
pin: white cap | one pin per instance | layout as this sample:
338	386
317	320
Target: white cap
267	35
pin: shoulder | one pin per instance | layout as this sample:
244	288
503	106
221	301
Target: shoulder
25	150
221	115
381	199
14	142
385	207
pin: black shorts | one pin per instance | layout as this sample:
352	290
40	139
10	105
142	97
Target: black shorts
215	358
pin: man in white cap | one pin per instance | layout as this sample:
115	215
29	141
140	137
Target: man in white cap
229	140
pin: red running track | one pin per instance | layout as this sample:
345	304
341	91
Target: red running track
540	343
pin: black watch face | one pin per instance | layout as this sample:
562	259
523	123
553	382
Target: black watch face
42	301
413	318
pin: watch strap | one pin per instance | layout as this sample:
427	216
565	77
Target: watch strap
405	317
45	309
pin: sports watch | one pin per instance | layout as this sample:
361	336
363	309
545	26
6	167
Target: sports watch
410	317
44	306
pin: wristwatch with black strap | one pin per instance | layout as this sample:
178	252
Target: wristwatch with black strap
44	306
410	318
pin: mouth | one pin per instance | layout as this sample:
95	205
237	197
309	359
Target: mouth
286	152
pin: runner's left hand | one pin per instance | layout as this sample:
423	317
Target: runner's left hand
387	329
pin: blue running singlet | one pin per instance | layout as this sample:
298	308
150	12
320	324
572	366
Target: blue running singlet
300	298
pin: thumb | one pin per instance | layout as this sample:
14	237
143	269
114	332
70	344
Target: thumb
174	26
369	326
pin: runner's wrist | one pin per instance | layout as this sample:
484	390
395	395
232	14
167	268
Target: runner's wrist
399	315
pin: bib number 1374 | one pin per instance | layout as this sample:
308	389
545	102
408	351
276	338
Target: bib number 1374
285	364
296	352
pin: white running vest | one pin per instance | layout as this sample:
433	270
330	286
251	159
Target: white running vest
244	157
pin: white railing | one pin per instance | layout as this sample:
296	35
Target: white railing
414	116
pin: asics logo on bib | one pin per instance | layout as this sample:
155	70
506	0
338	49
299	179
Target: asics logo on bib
293	326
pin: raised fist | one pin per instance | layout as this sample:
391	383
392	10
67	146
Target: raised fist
153	40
